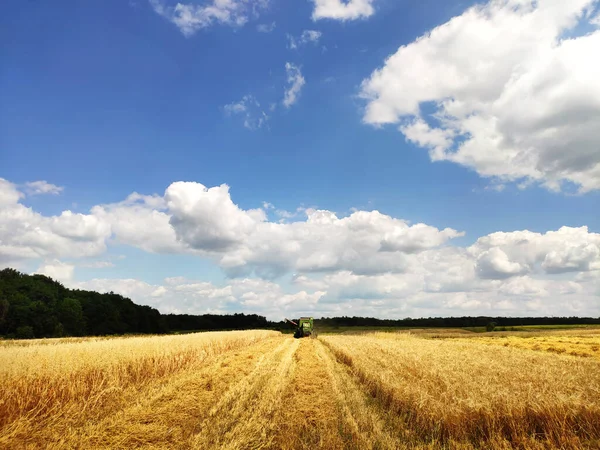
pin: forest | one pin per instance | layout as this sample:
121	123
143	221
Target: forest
36	306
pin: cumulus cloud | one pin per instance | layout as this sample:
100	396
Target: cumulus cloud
192	218
342	9
513	87
42	187
57	270
26	234
9	194
190	18
179	295
140	221
307	37
502	255
366	263
495	264
249	108
207	219
295	82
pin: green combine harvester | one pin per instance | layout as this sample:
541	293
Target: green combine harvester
304	327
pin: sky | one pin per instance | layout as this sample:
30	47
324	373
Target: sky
384	158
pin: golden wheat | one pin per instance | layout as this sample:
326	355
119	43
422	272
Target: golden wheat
453	392
263	390
45	385
585	345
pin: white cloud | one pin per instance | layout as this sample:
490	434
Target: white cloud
97	265
366	263
9	194
249	108
494	263
159	292
190	18
307	36
42	187
265	27
295	82
342	9
513	97
206	218
57	270
524	286
140	221
26	234
197	297
192	218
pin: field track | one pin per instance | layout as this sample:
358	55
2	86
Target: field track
334	392
263	396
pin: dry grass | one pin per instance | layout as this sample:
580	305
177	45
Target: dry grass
310	413
454	393
56	341
56	387
201	408
263	390
587	345
584	342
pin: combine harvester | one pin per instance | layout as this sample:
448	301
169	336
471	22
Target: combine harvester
304	327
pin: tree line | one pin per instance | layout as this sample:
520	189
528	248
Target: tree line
36	306
453	322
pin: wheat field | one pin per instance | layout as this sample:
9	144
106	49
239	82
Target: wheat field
264	390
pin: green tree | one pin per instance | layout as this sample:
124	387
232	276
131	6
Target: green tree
70	315
4	305
25	332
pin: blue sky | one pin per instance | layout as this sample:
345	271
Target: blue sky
103	99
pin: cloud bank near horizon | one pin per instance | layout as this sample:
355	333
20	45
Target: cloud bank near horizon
365	263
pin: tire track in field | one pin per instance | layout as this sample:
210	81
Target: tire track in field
243	417
326	408
364	423
170	414
310	417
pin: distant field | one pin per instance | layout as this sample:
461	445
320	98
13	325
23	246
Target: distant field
574	344
409	389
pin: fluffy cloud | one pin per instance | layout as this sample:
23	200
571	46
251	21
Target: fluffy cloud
26	234
190	18
295	82
192	218
494	264
9	194
366	263
57	270
140	221
42	187
514	90
307	36
342	10
501	255
207	219
179	295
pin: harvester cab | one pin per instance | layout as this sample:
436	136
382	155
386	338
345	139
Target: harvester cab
304	327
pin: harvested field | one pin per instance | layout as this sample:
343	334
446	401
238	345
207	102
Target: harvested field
585	345
264	390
